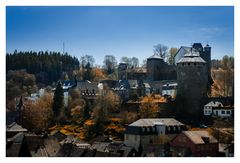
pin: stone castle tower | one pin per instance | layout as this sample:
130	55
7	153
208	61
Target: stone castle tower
158	69
205	53
154	64
192	76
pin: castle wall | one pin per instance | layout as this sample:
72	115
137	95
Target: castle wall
192	82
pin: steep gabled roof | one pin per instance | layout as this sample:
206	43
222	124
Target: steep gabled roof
14	127
214	104
191	56
200	137
155	56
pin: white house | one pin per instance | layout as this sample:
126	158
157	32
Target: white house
146	131
222	112
208	108
216	109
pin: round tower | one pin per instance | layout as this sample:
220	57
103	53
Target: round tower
154	64
192	81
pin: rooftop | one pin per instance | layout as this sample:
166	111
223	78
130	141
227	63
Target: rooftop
14	127
200	137
214	104
191	56
153	122
155	56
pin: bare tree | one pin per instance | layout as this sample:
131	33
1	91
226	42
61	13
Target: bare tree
131	62
134	62
172	53
161	50
110	63
87	60
125	60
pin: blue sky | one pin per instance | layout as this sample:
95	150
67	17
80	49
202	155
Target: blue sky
118	31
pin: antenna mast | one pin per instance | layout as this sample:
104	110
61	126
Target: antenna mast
63	47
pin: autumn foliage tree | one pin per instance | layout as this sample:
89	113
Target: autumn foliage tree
37	115
77	110
19	83
223	77
104	107
148	108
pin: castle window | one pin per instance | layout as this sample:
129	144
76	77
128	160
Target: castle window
179	128
127	137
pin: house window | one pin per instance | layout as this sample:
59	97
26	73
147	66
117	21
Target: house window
223	112
179	128
169	128
135	137
228	112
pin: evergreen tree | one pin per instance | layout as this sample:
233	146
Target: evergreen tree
58	100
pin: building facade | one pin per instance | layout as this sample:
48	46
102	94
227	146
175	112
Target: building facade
194	143
158	69
204	53
216	109
145	131
192	81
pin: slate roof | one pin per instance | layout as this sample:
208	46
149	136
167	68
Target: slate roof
51	146
214	104
14	145
14	127
185	50
59	136
155	56
197	137
153	121
90	153
127	151
191	56
100	146
77	152
87	85
18	138
70	150
101	154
